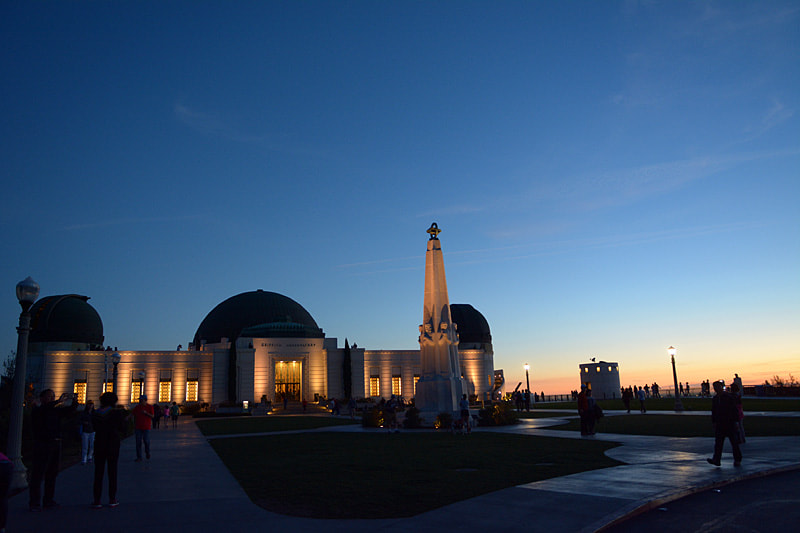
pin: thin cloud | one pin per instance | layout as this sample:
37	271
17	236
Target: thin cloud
501	254
210	124
462	209
127	222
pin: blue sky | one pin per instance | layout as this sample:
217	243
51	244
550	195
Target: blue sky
610	178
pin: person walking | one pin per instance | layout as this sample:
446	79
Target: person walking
627	396
142	423
109	424
46	421
724	417
87	433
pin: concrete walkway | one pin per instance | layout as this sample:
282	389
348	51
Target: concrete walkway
186	487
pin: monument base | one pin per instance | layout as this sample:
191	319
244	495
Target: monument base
436	395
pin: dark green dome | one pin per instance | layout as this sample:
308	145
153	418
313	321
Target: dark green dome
472	326
257	314
65	318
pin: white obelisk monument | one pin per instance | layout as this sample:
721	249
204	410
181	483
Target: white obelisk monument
440	385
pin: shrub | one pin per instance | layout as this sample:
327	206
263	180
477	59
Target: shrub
499	414
412	419
372	418
443	420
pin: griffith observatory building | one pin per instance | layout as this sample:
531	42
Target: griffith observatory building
254	345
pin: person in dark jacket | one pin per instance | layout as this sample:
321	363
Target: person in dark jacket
46	421
724	416
109	426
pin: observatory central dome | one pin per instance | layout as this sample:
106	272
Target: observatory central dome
257	314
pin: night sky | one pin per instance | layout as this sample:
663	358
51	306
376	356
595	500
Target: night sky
611	178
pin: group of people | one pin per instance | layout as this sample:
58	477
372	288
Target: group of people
522	399
639	393
168	412
102	430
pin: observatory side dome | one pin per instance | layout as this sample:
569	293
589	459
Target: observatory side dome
472	326
65	318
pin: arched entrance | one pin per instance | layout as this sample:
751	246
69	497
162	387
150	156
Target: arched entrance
288	380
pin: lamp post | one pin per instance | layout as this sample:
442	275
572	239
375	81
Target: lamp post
678	405
27	293
144	389
105	372
527	378
115	359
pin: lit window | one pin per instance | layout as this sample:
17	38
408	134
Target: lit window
416	378
598	369
136	390
165	391
585	369
609	369
191	390
108	386
79	388
397	387
374	386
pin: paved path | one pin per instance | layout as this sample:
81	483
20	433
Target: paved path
185	486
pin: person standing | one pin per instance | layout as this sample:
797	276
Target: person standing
87	433
642	398
157	416
583	410
46	421
174	413
142	423
109	424
591	411
724	417
6	469
463	406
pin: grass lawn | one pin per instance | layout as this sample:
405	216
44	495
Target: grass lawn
266	424
687	426
380	475
690	404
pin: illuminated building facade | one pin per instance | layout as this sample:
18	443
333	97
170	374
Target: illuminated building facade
602	378
253	345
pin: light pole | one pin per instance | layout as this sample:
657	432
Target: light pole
115	359
678	405
144	389
527	378
105	372
27	293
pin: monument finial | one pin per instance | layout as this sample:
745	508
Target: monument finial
434	232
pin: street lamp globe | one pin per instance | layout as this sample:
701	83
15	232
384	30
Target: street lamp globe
27	292
678	405
527	367
116	358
